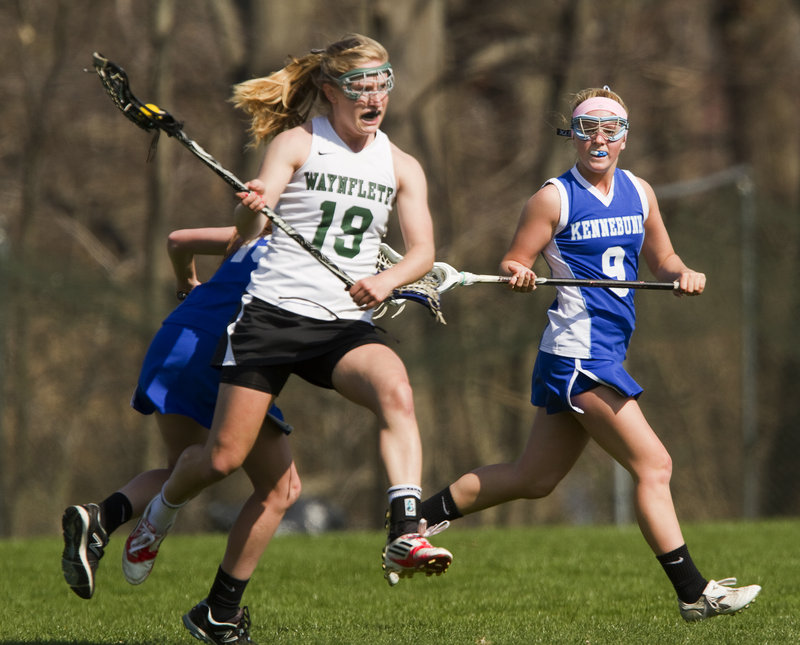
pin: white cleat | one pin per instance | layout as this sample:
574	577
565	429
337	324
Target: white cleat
719	598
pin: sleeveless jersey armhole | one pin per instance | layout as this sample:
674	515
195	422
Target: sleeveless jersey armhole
642	196
563	216
316	144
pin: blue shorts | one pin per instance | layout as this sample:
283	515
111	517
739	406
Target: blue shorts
177	376
556	379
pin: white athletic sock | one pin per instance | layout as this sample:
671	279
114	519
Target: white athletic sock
404	490
162	514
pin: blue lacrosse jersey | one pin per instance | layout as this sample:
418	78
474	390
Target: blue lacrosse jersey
210	305
598	237
177	376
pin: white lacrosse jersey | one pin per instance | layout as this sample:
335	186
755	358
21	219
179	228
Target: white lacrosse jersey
598	237
339	201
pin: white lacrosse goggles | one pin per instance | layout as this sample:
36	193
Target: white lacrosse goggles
611	128
366	82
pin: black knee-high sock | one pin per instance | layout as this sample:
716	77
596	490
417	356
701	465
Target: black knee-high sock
440	507
115	510
225	596
682	573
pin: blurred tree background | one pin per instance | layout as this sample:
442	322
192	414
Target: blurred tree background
712	87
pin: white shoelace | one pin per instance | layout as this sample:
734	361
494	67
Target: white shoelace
146	535
427	531
726	583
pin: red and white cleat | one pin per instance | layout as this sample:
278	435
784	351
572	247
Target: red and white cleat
413	553
141	549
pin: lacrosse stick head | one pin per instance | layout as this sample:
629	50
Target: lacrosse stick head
147	116
447	276
424	291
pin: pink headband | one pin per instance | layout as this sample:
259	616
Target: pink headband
600	103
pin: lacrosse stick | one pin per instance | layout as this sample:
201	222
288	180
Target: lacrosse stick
151	118
452	278
284	427
443	277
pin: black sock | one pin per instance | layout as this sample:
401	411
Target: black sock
403	516
682	573
440	507
225	596
115	510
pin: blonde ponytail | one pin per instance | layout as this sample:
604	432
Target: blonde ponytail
285	98
281	100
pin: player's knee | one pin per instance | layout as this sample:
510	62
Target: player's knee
538	488
398	398
280	495
656	471
286	498
223	464
295	488
287	492
535	485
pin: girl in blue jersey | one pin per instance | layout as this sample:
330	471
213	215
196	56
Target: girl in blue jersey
178	384
593	222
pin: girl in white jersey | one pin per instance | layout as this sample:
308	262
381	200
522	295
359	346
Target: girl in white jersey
592	222
335	179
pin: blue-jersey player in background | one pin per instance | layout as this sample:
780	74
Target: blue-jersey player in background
592	222
179	386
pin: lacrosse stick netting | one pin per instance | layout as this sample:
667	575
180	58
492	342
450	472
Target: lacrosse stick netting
424	291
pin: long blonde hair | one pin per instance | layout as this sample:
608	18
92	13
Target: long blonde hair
284	99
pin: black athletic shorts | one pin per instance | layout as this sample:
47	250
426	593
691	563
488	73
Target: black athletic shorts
265	344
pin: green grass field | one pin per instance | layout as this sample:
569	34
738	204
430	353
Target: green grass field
578	585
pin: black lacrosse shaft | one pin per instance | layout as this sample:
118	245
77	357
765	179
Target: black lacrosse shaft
607	284
149	117
588	282
281	223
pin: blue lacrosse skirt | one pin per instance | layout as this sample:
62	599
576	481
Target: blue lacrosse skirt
556	379
177	376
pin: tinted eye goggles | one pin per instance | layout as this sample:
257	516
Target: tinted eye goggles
611	128
369	81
